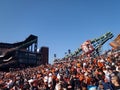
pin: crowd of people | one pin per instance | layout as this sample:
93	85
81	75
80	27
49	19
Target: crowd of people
82	73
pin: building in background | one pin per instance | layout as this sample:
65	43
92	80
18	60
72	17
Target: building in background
23	54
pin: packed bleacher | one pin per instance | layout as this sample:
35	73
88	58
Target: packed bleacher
83	73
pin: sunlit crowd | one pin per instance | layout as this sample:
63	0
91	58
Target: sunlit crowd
81	73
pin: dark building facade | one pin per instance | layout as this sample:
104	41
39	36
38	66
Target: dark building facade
44	54
23	53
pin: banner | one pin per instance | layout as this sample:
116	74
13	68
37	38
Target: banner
87	47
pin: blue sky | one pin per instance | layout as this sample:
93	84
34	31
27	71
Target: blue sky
59	24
